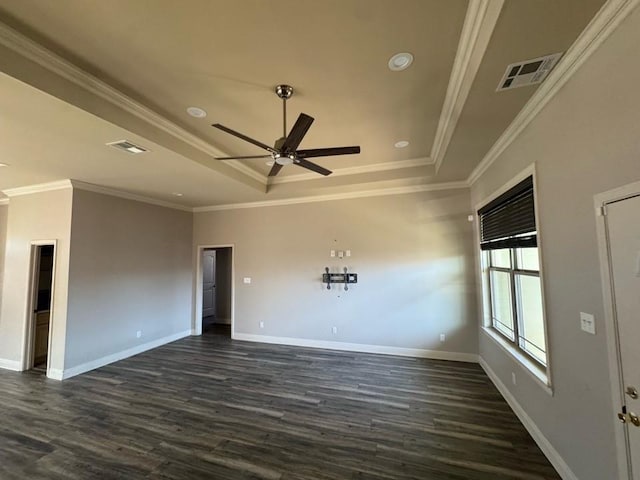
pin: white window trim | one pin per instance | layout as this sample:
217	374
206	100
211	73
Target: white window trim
543	378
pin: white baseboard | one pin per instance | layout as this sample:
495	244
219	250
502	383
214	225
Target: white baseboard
359	347
14	365
551	453
55	374
101	362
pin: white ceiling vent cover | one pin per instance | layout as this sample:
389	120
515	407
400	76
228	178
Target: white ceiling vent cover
528	72
127	146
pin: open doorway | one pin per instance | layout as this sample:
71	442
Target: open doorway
217	304
41	296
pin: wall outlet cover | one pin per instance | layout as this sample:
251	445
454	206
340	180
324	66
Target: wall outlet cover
246	280
442	337
261	324
587	323
334	330
139	334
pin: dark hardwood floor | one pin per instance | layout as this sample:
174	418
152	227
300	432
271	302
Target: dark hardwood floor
211	408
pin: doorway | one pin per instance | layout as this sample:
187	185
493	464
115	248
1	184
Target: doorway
217	285
41	299
619	236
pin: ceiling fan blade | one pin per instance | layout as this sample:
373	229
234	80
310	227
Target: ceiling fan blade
297	133
243	137
327	152
275	169
301	162
243	158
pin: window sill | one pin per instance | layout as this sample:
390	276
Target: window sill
529	365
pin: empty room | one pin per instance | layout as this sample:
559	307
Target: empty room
319	239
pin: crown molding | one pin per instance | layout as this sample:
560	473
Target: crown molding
338	196
53	62
4	201
90	187
38	188
601	26
374	167
479	23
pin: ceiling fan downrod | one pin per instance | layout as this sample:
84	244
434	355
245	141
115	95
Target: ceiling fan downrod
284	92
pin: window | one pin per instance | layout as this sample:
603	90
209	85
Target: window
508	239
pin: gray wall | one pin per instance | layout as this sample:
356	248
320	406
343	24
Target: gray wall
584	142
39	216
413	254
4	211
130	270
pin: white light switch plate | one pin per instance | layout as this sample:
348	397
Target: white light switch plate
587	323
246	280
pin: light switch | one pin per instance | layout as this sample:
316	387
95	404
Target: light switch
348	253
246	280
333	253
587	323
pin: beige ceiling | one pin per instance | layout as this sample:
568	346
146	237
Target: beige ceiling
227	55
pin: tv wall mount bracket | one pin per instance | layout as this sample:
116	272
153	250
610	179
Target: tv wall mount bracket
345	278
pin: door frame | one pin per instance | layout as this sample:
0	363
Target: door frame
196	323
28	348
601	200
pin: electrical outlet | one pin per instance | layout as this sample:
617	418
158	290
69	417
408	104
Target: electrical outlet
348	253
138	333
340	253
334	330
513	378
261	324
333	253
587	323
442	337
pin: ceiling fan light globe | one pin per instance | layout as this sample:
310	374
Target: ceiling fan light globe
284	160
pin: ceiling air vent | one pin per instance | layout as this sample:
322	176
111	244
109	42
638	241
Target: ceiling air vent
528	72
127	146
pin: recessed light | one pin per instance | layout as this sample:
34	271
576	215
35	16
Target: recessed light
401	144
196	112
400	61
177	194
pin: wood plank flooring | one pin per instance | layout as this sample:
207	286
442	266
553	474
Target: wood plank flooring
211	408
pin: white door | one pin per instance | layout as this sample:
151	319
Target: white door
208	283
623	224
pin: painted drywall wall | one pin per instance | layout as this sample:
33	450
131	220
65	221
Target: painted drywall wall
130	271
413	254
4	211
39	216
584	142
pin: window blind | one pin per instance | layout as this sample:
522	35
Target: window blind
509	221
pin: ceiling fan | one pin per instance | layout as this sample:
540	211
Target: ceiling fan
285	150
